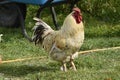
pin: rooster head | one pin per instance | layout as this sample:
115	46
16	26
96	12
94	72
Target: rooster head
77	15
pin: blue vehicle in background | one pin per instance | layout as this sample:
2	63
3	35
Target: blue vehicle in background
13	12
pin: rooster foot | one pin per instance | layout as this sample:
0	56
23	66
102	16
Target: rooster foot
72	65
63	67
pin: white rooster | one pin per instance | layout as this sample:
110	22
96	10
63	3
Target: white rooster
61	45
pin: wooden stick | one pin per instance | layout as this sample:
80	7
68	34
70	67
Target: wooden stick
96	50
18	60
43	57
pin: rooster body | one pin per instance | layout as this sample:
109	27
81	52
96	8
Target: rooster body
61	45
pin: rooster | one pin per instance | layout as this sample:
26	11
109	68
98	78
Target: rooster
61	45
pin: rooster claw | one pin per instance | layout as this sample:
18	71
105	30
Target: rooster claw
72	65
63	68
74	69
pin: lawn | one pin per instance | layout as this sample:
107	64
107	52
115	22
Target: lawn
103	65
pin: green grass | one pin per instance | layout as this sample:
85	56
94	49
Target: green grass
103	65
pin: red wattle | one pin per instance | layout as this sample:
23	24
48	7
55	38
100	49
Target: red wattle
79	19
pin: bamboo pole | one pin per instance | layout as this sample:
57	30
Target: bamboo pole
96	50
22	59
43	57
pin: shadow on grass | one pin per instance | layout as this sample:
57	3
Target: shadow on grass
22	70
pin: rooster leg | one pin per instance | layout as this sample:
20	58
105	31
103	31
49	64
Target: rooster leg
64	68
72	64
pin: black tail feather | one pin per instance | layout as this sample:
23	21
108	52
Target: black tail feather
39	31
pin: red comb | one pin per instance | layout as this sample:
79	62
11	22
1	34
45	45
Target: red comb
76	9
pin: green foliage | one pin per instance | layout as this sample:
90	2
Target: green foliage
106	10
